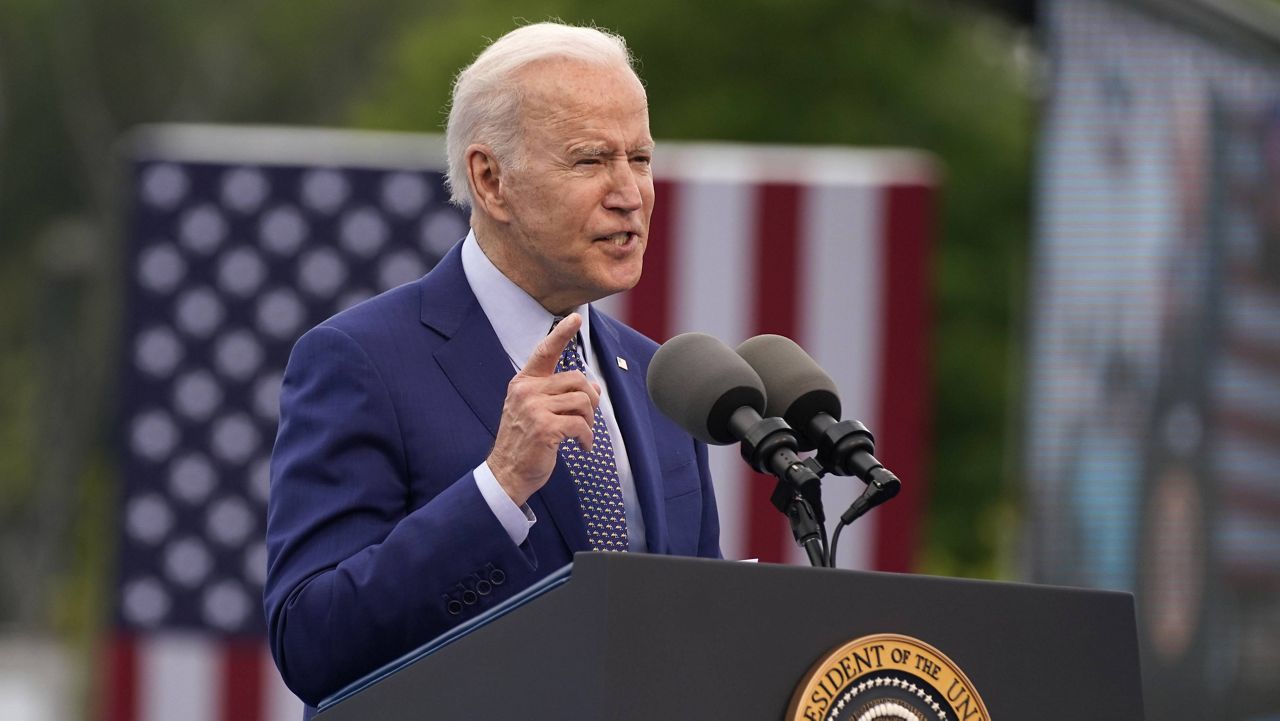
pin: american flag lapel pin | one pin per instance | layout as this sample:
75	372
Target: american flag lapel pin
622	363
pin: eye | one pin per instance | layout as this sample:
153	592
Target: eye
587	161
640	159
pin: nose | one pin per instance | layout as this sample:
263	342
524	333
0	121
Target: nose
624	187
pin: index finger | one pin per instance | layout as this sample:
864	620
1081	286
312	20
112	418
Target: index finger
547	353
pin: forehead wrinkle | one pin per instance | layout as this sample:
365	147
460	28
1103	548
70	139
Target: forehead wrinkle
587	136
557	109
549	81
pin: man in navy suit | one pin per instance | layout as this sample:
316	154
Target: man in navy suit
450	442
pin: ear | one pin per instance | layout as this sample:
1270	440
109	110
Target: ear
484	174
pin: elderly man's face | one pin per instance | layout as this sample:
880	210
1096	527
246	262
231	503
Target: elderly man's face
580	205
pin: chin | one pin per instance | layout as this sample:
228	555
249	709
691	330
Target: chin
615	277
627	281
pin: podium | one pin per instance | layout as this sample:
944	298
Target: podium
634	636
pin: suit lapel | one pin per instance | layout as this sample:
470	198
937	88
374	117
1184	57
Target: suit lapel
477	366
473	360
631	405
472	357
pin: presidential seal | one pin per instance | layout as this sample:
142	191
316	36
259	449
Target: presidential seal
886	677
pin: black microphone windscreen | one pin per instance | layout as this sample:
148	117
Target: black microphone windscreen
699	382
796	386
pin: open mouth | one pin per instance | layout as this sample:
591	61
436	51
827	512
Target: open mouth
619	239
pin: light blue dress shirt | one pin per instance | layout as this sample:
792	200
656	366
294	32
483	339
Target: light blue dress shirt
521	323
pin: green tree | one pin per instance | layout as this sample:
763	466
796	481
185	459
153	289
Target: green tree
75	77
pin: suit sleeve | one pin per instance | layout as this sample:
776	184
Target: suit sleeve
357	576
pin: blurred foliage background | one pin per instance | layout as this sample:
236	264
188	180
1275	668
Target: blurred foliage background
955	78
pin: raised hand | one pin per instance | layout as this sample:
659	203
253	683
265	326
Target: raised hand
541	410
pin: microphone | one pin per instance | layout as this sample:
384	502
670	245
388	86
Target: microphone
700	383
802	394
712	393
715	395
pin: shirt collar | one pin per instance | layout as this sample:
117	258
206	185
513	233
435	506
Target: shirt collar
519	320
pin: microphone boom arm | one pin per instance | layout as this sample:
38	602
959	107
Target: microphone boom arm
769	446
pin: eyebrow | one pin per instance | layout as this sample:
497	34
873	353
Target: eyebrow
600	151
591	151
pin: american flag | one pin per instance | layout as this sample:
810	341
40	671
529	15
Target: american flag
242	238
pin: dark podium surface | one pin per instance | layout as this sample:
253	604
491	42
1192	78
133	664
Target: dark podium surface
634	636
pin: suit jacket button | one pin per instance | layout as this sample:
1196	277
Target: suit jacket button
496	576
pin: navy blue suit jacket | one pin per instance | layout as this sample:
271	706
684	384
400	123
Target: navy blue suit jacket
378	537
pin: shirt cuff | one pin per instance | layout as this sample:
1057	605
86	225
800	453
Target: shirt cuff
517	520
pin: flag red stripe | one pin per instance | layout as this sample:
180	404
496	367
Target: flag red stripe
777	244
242	675
904	373
119	683
648	305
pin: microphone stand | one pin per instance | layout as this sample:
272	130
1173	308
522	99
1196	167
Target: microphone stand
769	446
845	448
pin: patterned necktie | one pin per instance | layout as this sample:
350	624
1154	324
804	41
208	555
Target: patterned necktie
595	474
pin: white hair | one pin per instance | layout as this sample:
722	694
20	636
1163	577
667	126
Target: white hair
486	103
